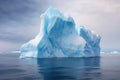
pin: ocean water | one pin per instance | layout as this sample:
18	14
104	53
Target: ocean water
106	67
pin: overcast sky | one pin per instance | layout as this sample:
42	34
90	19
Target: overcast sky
20	19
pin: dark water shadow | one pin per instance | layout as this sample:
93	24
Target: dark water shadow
68	68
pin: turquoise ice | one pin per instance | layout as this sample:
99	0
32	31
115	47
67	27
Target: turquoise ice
59	36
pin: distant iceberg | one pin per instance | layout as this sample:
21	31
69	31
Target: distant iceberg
114	52
15	51
59	36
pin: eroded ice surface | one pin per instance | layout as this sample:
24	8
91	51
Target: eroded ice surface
60	37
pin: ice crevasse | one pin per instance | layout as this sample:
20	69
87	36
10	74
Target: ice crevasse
59	36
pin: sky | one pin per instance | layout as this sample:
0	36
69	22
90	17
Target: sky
20	20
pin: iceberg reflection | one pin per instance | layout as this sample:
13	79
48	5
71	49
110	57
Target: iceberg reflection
66	68
69	68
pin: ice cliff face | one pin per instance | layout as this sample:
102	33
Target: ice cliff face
60	37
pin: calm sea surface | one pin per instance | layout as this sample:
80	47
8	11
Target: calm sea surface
106	67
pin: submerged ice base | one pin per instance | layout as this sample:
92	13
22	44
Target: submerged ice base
60	37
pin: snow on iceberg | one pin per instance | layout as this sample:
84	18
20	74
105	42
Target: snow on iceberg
60	37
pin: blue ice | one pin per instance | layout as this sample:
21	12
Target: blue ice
59	36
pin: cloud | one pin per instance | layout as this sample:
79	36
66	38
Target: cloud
20	20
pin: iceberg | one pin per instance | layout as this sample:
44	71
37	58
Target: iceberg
59	36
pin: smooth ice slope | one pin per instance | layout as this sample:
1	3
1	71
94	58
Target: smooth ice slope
60	37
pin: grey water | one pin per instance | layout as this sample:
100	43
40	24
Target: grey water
106	67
